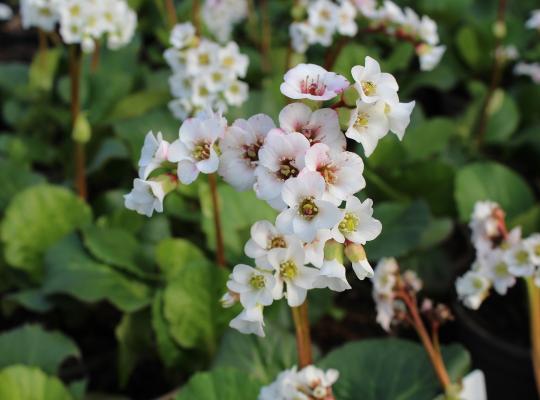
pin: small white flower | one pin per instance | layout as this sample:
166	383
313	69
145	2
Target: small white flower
280	158
320	126
372	84
315	249
43	14
342	171
264	239
145	197
430	56
180	108
5	12
289	264
472	288
497	270
332	275
310	81
236	93
358	224
399	116
347	19
474	386
316	382
532	244
385	276
534	21
202	58
307	212
182	35
368	125
519	260
194	150
250	321
153	154
385	310
427	30
254	286
299	32
232	60
529	69
323	12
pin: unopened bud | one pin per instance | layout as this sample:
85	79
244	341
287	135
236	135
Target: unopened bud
82	131
355	252
499	29
169	182
333	251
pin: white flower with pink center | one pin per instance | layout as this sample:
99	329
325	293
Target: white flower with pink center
320	126
310	81
240	150
194	149
307	212
358	224
342	171
368	125
281	157
153	154
372	84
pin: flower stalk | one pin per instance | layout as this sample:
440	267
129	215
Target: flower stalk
534	311
79	151
196	16
220	248
266	37
303	337
171	13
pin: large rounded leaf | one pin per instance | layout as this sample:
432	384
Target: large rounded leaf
220	384
31	345
35	219
27	383
390	369
495	182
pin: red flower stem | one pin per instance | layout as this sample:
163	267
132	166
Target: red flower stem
171	13
303	337
220	248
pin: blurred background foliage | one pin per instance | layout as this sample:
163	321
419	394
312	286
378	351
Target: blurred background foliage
97	299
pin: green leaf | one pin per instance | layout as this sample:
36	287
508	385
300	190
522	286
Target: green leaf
168	350
110	148
503	118
172	255
13	76
438	230
35	219
491	181
31	345
138	104
220	384
26	383
69	270
114	246
428	138
390	369
13	179
403	225
43	69
31	299
469	46
261	358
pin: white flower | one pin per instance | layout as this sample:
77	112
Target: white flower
497	270
281	157
43	14
430	56
474	386
372	84
427	30
145	197
264	239
314	250
249	321
220	16
358	224
323	12
299	32
472	288
484	225
532	70
534	21
392	12
218	79
254	286
399	116
236	93
532	244
332	275
385	276
240	150
307	212
346	19
182	35
194	150
320	126
310	81
180	108
5	12
368	125
316	382
232	60
519	260
153	154
385	310
202	58
342	171
289	264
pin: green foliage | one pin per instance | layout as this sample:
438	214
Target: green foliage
32	346
389	369
24	383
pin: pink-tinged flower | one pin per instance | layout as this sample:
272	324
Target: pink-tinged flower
153	154
310	81
372	84
240	150
320	126
358	225
281	157
307	212
194	150
342	171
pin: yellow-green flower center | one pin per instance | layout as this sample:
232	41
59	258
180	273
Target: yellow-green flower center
522	257
348	224
308	209
369	88
501	269
257	281
204	59
201	151
362	120
288	270
537	250
478	284
277	242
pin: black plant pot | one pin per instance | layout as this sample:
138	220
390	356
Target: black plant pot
507	366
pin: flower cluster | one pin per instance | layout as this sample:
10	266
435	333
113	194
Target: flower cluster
532	70
501	256
534	21
220	16
83	22
205	74
310	383
325	18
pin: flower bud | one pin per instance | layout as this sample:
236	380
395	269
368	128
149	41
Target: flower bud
355	252
499	29
333	251
82	131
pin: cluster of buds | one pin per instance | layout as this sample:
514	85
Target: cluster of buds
220	16
309	383
83	22
325	18
502	256
206	75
